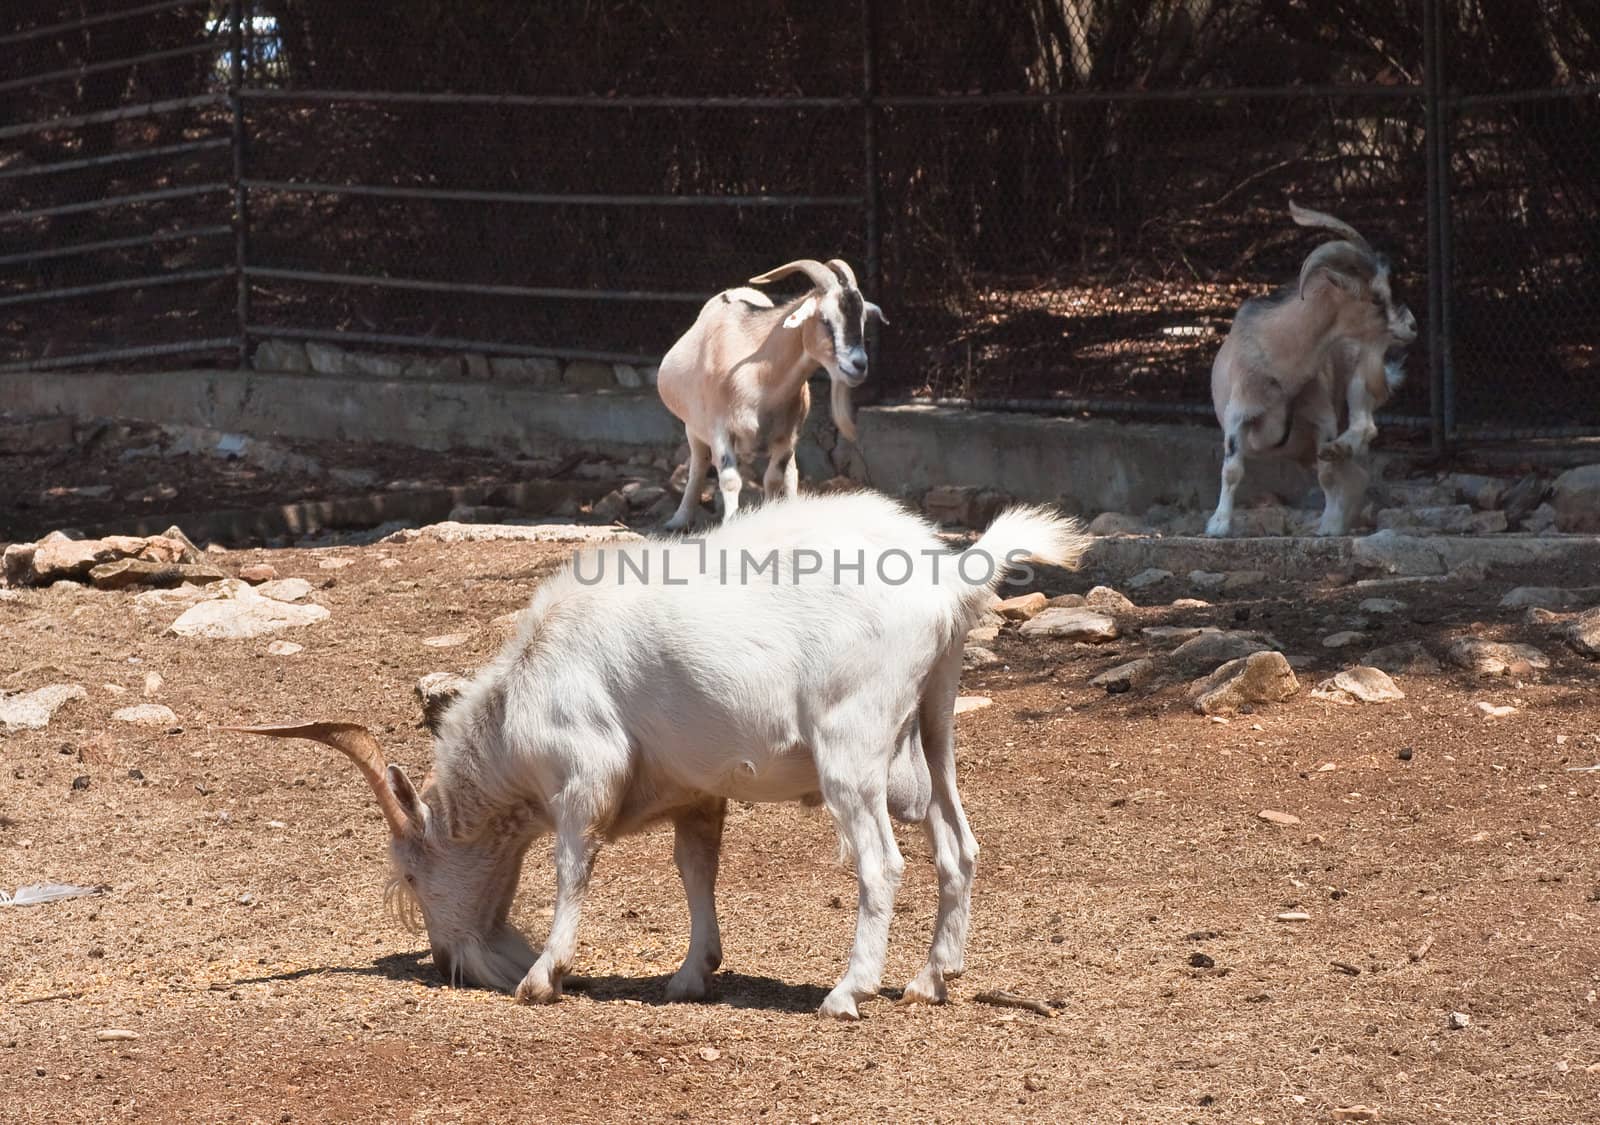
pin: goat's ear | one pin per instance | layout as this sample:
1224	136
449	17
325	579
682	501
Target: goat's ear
1351	285
807	309
405	795
875	313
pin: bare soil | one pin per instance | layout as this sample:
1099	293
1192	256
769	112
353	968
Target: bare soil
1125	876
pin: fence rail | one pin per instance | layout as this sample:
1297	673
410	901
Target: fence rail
1050	250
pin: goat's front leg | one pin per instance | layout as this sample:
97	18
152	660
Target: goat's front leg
699	461
1221	520
728	477
575	854
781	469
858	802
697	845
1363	428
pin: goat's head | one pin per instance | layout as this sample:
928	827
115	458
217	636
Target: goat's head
832	320
459	889
1356	270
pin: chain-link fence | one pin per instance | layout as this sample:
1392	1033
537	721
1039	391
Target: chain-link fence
1059	205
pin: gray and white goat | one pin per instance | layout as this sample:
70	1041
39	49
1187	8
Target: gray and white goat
1299	361
738	378
829	673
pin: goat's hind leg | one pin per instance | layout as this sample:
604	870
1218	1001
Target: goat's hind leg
854	788
729	479
955	849
782	472
697	845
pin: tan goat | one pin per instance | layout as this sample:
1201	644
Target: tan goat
1300	360
737	379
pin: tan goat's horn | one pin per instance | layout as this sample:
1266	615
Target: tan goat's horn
1306	217
821	276
355	742
842	268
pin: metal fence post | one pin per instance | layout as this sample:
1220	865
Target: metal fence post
241	223
872	205
1438	204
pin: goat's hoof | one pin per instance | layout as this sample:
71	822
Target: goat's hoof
839	1006
926	988
1215	530
682	989
538	988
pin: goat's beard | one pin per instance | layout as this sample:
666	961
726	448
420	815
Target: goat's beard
499	960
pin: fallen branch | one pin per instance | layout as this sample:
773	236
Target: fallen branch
1002	999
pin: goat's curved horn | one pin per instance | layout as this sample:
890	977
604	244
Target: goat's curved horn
1309	218
1340	258
355	742
821	276
842	268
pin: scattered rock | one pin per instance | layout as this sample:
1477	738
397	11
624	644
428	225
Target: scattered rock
32	710
976	656
1072	625
1450	519
1482	492
1381	605
1151	576
1281	819
963	505
1261	677
1494	658
709	1054
1491	710
1583	635
1108	600
1190	603
1540	521
645	496
56	557
1066	601
1172	634
1126	677
241	613
1522	498
538	371
146	715
116	1034
1021	608
152	683
1207	651
1361	684
335	564
1355	1113
1118	523
1344	639
1459	1021
612	506
1408	658
285	589
1292	916
257	573
1243	581
1210	581
123	573
284	648
1391	552
1576	499
966	703
983	634
436	692
1549	597
1271	520
447	640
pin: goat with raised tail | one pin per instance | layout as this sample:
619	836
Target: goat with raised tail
738	378
1305	359
808	651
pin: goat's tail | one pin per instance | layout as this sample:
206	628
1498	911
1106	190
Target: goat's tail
1017	536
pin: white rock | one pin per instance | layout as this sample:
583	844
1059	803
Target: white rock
1208	650
1108	600
332	564
286	589
1382	605
1491	710
1359	684
1494	658
32	710
1576	499
1261	677
976	656
1460	1021
284	648
966	703
1170	634
1405	658
1072	625
243	616
1583	634
540	532
152	683
1208	580
146	715
1549	597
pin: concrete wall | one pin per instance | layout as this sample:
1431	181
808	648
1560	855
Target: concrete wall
1087	465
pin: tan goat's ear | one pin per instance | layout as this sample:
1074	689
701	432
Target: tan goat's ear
875	313
807	309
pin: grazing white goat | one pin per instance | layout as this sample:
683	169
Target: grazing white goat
1298	360
738	378
809	650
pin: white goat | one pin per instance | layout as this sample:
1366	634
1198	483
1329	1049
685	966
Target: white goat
1298	359
737	379
811	648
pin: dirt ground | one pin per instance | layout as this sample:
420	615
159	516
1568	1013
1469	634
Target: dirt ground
242	937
